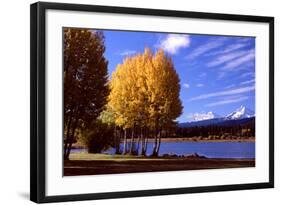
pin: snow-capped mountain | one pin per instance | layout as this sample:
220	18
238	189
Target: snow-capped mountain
204	116
241	113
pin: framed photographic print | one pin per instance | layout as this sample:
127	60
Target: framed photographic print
129	102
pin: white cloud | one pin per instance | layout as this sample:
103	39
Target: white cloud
205	48
224	93
186	85
247	82
228	101
201	116
127	52
173	42
239	61
199	85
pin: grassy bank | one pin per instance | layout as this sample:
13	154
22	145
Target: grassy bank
92	164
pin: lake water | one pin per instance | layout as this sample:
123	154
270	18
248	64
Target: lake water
208	149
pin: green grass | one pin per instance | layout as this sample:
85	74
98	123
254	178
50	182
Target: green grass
88	156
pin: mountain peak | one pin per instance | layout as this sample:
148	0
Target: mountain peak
240	113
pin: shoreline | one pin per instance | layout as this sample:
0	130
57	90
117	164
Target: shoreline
251	139
169	139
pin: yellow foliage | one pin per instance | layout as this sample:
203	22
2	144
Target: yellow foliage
145	91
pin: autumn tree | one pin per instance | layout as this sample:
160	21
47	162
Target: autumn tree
163	90
85	81
145	95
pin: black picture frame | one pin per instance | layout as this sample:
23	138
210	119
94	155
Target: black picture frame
38	101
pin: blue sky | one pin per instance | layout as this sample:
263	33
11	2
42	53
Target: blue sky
217	73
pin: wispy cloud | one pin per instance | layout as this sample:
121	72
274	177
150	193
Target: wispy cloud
234	47
221	75
241	60
247	82
202	75
247	74
228	101
221	59
223	93
228	49
245	40
173	42
245	66
199	85
186	85
127	52
234	61
205	48
230	86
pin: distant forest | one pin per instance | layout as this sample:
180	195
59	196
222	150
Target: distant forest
225	130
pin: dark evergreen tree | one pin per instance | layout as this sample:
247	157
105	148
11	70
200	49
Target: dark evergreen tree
85	81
